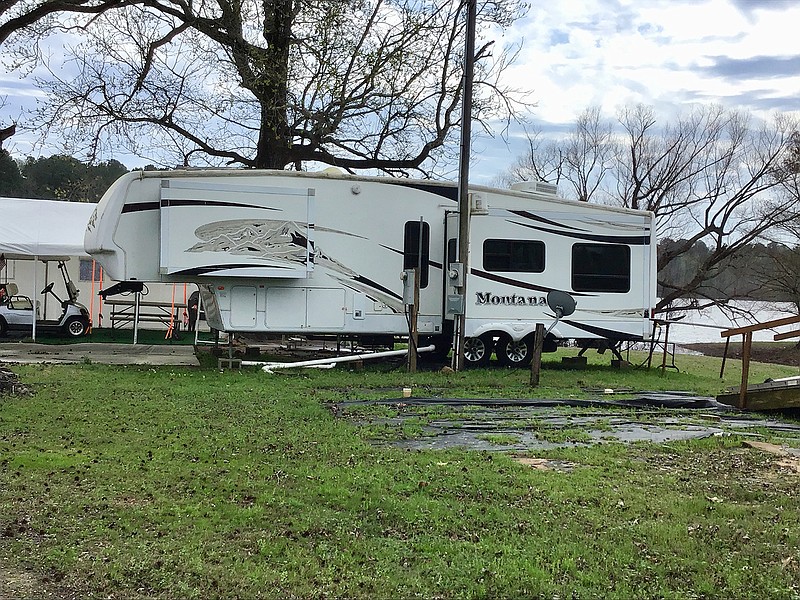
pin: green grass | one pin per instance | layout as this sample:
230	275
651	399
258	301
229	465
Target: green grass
140	482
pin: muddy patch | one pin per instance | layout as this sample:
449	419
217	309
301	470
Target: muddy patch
520	425
10	384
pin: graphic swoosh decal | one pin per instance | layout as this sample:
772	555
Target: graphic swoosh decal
140	207
609	334
631	240
195	271
143	206
533	217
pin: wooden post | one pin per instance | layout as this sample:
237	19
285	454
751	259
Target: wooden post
414	338
471	7
652	344
666	345
748	330
747	342
536	361
724	357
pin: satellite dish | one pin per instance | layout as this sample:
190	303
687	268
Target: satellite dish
561	303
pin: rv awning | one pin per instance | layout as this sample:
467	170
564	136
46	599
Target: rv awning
43	229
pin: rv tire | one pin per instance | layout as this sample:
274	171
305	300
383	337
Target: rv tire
478	351
514	354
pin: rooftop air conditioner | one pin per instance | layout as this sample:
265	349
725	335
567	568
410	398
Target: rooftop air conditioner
540	187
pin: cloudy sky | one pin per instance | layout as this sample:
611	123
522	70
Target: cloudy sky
611	53
665	53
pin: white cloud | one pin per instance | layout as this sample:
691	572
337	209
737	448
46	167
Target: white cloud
611	53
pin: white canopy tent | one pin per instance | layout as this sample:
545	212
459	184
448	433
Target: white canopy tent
42	230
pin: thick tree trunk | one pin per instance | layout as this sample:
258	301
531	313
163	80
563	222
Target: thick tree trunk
273	150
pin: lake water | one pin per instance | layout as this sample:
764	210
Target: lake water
705	325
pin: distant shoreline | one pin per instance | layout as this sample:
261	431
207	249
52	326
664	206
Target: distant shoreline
781	353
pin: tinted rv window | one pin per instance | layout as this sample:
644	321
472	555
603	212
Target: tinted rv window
601	268
411	249
522	256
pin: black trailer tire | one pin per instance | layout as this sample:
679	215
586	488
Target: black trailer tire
478	351
514	354
76	327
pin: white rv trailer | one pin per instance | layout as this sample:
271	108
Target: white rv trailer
322	253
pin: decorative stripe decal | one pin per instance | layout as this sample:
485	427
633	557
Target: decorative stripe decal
602	332
449	192
377	286
143	206
630	240
533	217
140	207
188	202
195	271
433	263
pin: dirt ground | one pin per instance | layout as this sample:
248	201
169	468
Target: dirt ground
768	352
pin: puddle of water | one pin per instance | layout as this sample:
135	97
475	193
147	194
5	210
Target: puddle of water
523	428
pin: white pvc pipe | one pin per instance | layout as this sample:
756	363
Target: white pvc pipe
269	366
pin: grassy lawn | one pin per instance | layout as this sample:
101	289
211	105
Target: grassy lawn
136	482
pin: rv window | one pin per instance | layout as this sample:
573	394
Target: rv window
601	268
522	256
411	249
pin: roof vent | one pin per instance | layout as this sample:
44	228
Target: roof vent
531	187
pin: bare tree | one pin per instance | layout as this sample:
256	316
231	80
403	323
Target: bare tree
713	176
589	153
579	162
544	161
18	15
362	84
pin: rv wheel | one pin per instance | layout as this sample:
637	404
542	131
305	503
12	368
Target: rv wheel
477	351
514	354
75	326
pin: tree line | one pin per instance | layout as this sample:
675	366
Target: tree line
760	271
57	177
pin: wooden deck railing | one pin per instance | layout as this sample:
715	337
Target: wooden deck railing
747	343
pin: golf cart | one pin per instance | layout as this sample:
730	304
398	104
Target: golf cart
16	311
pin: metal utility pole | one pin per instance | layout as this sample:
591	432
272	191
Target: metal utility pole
463	175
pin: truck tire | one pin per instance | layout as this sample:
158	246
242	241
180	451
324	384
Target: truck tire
514	354
478	351
75	327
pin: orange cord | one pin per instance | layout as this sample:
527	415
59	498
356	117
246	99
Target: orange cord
171	328
91	302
